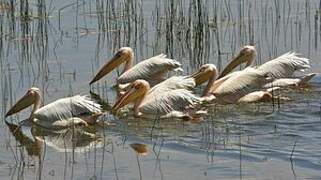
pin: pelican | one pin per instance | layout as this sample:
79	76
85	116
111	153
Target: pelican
283	66
66	112
246	55
259	96
207	72
238	89
231	87
295	82
149	103
152	70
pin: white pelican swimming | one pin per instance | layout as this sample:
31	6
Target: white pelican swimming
207	72
232	91
178	103
283	66
245	83
152	70
62	113
231	87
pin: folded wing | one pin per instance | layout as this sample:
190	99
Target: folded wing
150	68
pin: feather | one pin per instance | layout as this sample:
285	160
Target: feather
67	108
149	68
285	65
240	84
169	101
175	82
285	82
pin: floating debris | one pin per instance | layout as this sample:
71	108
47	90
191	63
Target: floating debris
141	149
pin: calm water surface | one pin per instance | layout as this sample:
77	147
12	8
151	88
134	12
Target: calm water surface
58	45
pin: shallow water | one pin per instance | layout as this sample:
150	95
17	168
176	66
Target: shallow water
59	46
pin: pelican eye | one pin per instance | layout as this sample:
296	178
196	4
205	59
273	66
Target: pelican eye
137	86
244	51
118	54
31	92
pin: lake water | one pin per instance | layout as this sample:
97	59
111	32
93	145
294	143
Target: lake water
57	46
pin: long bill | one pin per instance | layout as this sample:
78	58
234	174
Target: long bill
108	67
201	77
23	103
125	99
242	57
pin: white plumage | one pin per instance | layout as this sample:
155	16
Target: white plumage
234	86
240	84
153	68
174	82
66	109
285	65
285	82
168	101
257	96
164	103
62	113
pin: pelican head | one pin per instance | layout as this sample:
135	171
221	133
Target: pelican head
124	54
246	55
266	97
136	90
31	97
206	72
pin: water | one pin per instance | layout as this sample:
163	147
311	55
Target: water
58	45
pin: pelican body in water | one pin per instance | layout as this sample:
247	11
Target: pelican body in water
152	70
207	72
151	103
63	113
288	82
232	87
281	67
231	91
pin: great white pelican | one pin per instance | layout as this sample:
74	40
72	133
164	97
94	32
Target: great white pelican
207	72
66	112
150	103
152	70
281	67
243	84
231	87
231	91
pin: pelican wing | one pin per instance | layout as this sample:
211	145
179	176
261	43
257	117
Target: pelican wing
172	83
149	69
240	84
167	102
67	108
285	65
221	80
285	82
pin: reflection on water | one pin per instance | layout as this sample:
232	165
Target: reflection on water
57	46
34	140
